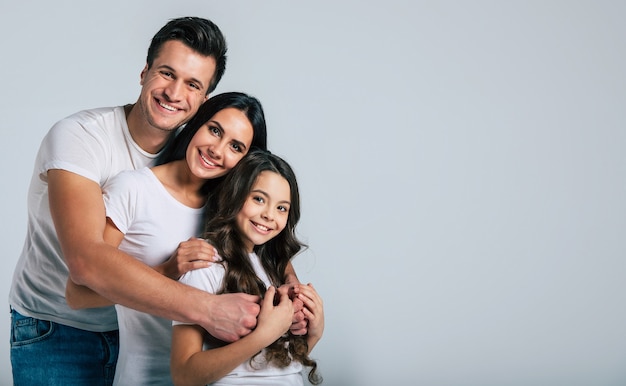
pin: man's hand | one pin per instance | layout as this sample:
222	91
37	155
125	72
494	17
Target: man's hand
191	254
232	316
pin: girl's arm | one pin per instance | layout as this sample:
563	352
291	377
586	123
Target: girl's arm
78	296
192	366
313	312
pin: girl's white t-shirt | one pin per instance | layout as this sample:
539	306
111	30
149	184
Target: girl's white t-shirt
260	372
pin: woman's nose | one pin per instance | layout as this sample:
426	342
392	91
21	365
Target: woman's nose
216	151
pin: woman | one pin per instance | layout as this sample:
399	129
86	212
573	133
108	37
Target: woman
150	210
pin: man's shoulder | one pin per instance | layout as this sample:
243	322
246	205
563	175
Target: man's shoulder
99	114
104	123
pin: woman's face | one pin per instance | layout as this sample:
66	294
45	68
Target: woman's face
219	144
265	212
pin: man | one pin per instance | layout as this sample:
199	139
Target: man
52	344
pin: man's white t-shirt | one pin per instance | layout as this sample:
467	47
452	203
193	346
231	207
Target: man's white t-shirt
97	145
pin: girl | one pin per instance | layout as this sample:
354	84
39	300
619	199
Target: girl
149	211
252	224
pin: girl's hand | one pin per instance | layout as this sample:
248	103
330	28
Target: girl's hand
298	321
274	320
313	312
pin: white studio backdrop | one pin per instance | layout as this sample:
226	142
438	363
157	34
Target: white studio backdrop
462	168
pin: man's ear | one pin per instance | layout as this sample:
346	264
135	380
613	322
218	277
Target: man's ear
143	74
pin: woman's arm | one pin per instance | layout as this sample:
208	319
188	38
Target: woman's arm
192	366
290	275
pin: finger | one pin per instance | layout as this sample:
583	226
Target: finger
298	331
297	304
268	299
309	294
284	299
309	291
251	298
198	264
299	318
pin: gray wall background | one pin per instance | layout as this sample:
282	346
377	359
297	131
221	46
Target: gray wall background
462	168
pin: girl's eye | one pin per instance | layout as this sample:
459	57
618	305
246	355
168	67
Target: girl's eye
283	208
258	199
236	147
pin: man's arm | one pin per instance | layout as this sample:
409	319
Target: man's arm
189	255
78	212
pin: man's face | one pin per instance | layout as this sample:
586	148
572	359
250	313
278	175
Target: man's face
175	86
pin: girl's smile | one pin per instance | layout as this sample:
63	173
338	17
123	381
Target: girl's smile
266	210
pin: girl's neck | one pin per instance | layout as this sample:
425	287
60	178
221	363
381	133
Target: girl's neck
181	183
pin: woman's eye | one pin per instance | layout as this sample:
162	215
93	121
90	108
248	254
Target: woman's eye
236	147
214	130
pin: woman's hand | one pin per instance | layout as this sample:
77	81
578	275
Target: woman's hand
192	254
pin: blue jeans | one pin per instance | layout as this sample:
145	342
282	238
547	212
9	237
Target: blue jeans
48	353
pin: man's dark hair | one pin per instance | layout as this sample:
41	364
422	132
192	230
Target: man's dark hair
201	35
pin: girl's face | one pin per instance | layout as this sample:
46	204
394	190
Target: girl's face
219	144
265	212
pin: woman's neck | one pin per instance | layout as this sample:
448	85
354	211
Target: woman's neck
181	183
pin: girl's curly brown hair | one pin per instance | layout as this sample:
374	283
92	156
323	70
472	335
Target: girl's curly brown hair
221	230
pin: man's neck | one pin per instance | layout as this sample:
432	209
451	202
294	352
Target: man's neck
147	137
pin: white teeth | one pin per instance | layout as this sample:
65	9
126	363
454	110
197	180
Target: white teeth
261	227
167	107
206	160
